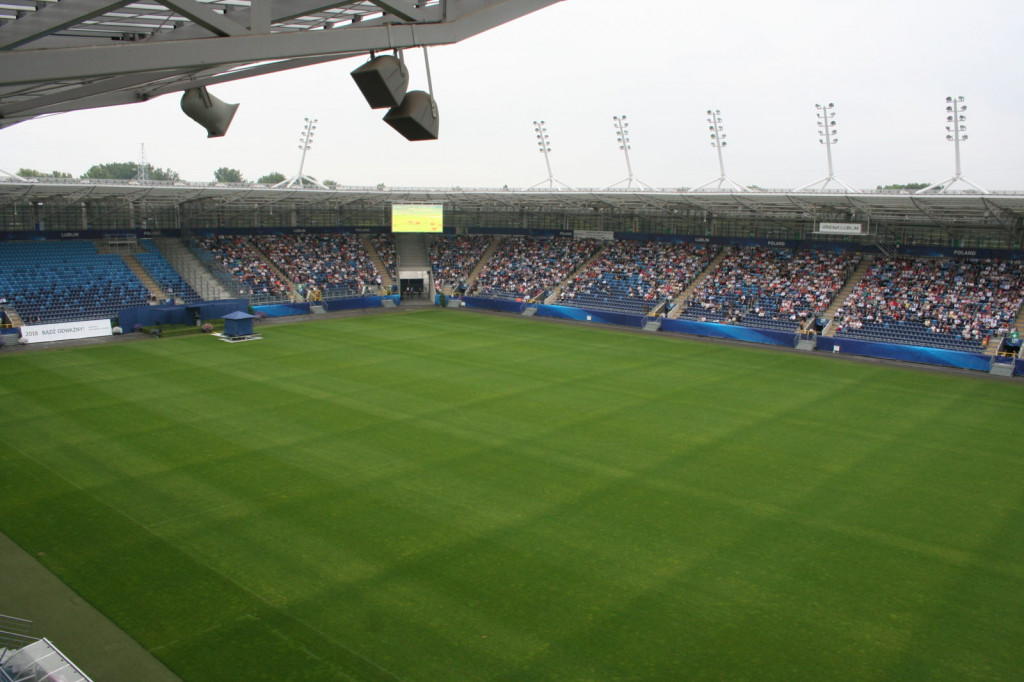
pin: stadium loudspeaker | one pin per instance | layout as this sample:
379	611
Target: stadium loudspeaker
383	81
416	117
208	111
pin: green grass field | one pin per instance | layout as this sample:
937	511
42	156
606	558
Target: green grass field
454	496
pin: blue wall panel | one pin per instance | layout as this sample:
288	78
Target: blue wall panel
336	304
896	351
565	312
494	304
282	309
730	331
153	315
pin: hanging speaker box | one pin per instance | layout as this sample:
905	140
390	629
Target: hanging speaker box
383	81
213	114
416	117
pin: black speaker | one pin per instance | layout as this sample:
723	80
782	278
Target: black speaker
383	81
416	117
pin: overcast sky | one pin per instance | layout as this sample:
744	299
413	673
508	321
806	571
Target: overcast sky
888	66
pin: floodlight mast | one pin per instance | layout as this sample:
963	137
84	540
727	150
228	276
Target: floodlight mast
544	143
718	142
827	136
305	142
142	173
956	131
622	136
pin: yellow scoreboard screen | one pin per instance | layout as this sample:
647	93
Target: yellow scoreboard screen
417	218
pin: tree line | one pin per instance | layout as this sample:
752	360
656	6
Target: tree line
130	170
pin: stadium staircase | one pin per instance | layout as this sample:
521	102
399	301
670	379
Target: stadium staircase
557	291
385	277
411	251
14	317
288	284
1001	369
136	267
855	277
192	269
678	301
478	268
805	343
1020	319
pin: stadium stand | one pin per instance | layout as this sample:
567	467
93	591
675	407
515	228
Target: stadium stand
770	288
60	281
172	283
334	265
529	267
453	258
957	304
636	277
234	254
384	244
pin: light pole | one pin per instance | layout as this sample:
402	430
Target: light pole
622	136
718	142
827	136
956	132
305	142
544	143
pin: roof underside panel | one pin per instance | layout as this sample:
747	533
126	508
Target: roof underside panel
82	54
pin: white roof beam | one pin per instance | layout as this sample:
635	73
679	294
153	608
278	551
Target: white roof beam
202	15
473	17
53	18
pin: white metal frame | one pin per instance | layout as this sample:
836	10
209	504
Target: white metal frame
82	54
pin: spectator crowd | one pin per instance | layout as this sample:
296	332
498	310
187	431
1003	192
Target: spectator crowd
330	264
529	267
780	288
236	255
452	259
636	276
966	299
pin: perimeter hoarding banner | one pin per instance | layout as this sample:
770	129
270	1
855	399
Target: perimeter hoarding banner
64	331
417	218
841	228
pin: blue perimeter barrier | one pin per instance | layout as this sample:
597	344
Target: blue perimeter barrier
332	305
772	337
282	309
896	351
567	312
888	351
155	315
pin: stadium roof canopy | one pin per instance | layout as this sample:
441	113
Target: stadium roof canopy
1003	211
69	55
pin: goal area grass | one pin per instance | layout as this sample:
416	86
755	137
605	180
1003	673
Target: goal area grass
446	495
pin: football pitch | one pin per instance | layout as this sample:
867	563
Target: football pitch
449	496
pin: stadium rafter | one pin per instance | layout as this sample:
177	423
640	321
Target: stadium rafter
81	54
71	204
